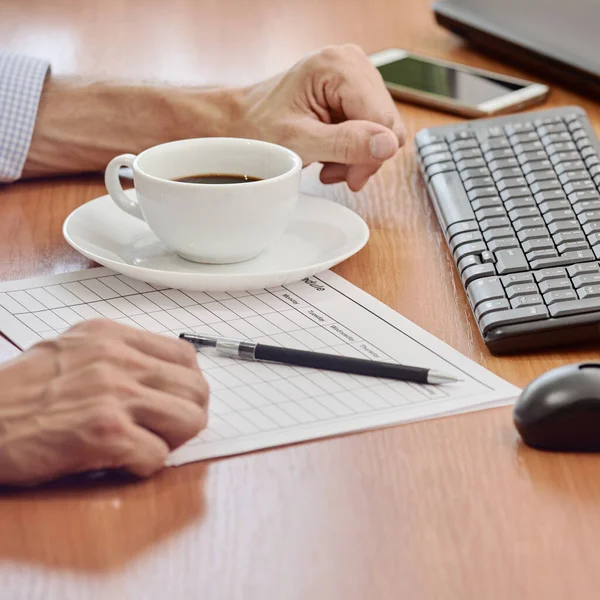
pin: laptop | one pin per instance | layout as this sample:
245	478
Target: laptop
557	39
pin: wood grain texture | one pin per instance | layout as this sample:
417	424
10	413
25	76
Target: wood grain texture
454	508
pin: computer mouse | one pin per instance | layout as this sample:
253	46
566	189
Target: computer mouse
560	410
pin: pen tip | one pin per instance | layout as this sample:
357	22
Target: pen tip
437	377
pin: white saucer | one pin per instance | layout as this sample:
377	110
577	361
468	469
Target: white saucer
320	235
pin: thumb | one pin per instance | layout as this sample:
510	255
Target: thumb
349	143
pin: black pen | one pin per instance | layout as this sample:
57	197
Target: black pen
317	360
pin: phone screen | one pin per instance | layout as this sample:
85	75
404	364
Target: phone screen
468	88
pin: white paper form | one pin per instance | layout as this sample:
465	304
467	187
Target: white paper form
260	405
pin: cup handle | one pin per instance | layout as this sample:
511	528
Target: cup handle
113	185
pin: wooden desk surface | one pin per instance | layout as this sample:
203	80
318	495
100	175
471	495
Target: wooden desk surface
452	508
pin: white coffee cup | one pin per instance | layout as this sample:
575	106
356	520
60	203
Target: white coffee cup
211	223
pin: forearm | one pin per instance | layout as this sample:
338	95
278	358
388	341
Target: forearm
81	125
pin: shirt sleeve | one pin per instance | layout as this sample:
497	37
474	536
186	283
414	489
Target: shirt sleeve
21	82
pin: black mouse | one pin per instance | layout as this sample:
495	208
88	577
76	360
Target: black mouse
560	410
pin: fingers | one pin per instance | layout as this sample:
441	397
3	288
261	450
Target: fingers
172	419
333	173
348	143
100	335
145	454
358	175
176	380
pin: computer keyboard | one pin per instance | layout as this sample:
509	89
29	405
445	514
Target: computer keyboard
518	200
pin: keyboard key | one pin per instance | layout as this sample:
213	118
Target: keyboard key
590	291
510	261
595	170
505	173
553	138
488	223
537	165
590	161
438	157
513	317
462	227
578	186
572	246
511	182
534	156
561	261
550	128
452	202
489	213
522	213
485	308
467	154
590	216
478	182
587	279
554	205
579	134
463	134
468	249
498	233
523	137
495	245
518	128
560	147
583	269
549	274
488	288
536	176
577	165
559	215
503	163
560	226
482	192
526	301
494	132
487	202
594	239
537	233
588	153
575	197
477	272
548	184
535	254
474	173
465	238
487	257
464	145
529	223
425	138
568	236
495	144
573	307
539	244
560	296
586	206
534	146
549	120
555	284
550	195
516	279
442	167
468	261
518	192
433	149
498	154
562	157
519	203
474	163
523	289
568	176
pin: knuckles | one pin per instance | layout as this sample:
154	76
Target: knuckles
106	421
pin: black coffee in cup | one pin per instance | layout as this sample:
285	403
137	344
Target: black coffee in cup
217	178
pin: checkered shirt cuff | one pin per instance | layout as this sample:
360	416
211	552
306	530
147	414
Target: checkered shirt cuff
21	82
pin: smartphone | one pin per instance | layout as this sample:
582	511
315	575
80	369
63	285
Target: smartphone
453	87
